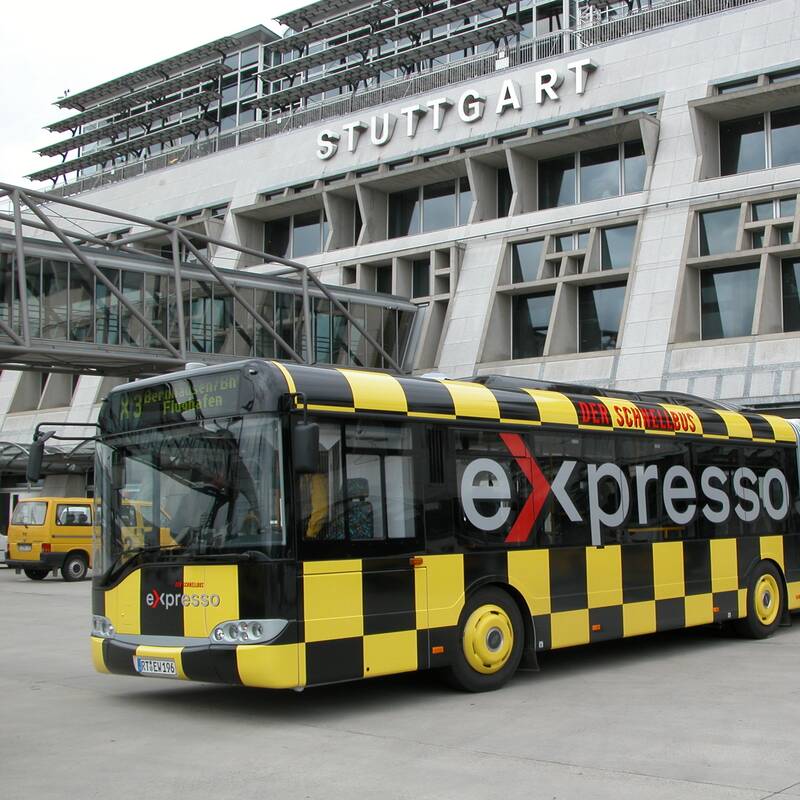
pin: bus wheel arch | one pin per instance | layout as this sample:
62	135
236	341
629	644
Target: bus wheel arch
75	566
490	640
766	600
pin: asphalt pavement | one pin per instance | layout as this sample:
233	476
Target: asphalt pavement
689	714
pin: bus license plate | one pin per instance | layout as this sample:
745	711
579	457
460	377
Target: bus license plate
25	548
163	667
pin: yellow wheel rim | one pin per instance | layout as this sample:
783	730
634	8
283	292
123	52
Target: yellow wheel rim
488	639
767	599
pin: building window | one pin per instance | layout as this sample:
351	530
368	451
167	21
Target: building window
530	318
790	274
592	175
727	301
718	231
504	192
766	140
432	207
296	236
599	314
616	247
421	277
525	258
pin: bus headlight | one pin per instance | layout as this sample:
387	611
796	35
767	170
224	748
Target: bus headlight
102	627
247	631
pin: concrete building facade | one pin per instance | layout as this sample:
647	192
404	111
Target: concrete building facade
614	206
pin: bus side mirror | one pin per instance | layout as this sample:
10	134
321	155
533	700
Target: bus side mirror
305	447
33	471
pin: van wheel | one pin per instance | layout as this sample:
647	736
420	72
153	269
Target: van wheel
490	642
765	602
75	567
37	574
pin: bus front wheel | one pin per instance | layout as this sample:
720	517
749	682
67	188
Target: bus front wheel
75	567
765	603
36	574
490	642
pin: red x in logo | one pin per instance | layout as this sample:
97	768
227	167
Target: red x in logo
540	488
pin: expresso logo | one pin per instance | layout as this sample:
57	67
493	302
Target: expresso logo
156	599
615	493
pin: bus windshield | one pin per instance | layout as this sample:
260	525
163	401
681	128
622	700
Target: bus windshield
211	488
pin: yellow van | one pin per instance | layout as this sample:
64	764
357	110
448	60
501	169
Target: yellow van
47	534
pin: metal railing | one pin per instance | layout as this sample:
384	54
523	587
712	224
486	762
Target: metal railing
425	80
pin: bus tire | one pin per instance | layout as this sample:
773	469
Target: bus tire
36	574
75	567
765	603
491	639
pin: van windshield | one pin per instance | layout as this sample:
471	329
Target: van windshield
29	513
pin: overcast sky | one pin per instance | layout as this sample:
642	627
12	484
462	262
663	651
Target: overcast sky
47	47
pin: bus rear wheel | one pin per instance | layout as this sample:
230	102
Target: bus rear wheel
36	574
490	642
765	603
75	567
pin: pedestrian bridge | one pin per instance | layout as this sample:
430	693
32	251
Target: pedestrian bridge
84	289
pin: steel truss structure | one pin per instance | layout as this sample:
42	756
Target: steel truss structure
21	348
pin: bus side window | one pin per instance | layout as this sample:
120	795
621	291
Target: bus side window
728	460
364	491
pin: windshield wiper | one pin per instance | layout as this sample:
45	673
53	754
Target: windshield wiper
137	551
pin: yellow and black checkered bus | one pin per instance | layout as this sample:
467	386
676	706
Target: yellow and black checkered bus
328	524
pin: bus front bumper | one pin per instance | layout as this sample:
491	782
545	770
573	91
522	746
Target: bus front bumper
279	666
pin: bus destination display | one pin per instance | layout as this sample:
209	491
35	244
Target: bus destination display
181	400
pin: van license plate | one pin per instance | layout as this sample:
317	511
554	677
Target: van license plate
25	548
163	667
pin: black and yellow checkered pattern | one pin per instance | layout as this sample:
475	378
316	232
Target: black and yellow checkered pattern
349	391
383	616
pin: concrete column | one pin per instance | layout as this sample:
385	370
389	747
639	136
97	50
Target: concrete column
524	177
483	182
374	207
341	215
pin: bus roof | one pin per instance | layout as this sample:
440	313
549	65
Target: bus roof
524	402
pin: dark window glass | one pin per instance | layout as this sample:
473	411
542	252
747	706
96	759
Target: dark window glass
6	287
786	137
276	237
762	211
718	231
742	145
157	293
727	299
525	257
421	278
484	462
582	240
504	192
403	213
599	173
81	299
107	309
785	234
438	206
557	182
787	206
757	239
599	312
565	243
791	298
54	296
464	201
383	280
635	166
530	320
617	247
307	234
250	56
